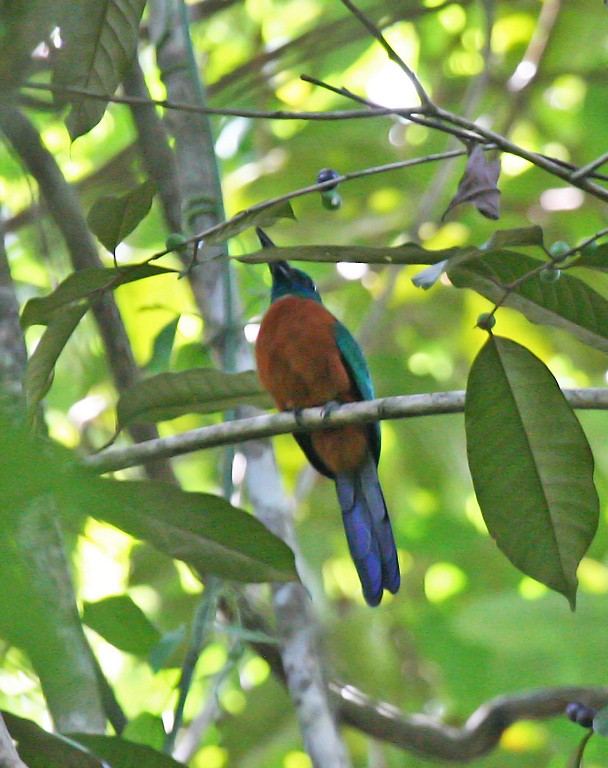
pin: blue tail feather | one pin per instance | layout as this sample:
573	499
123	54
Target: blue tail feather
368	531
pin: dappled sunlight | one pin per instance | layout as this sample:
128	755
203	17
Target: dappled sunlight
443	581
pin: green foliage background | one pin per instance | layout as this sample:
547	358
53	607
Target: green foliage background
466	625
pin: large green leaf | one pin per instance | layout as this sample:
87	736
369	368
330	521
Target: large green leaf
409	253
122	623
568	303
99	43
198	390
41	364
531	464
120	753
113	217
203	530
84	284
40	749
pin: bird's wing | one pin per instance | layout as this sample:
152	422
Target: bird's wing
359	374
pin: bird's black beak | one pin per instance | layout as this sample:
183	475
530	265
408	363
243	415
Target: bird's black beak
263	238
277	269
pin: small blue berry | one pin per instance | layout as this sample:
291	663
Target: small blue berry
327	175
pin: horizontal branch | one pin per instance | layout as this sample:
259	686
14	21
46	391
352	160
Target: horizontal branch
276	114
478	736
308	420
419	733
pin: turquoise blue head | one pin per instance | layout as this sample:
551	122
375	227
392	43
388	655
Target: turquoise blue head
286	280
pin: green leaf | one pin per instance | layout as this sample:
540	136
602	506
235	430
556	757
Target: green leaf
113	218
594	257
146	728
40	749
120	753
41	364
203	530
246	219
84	284
531	465
409	253
509	238
569	303
199	390
122	623
99	43
160	360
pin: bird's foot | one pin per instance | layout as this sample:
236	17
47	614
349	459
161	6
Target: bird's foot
297	414
329	407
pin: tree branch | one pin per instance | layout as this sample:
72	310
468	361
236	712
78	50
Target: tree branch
307	420
418	733
215	285
477	737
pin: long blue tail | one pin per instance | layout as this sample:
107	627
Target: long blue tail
368	531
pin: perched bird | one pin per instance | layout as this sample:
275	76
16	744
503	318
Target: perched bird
307	358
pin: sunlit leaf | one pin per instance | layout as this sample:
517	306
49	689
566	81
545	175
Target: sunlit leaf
122	623
568	303
203	530
146	728
120	753
531	465
41	364
84	284
113	218
99	42
198	390
40	749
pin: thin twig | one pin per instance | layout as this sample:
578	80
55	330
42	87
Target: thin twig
392	54
414	115
203	622
279	114
266	204
586	169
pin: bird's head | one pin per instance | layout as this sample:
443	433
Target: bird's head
286	280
